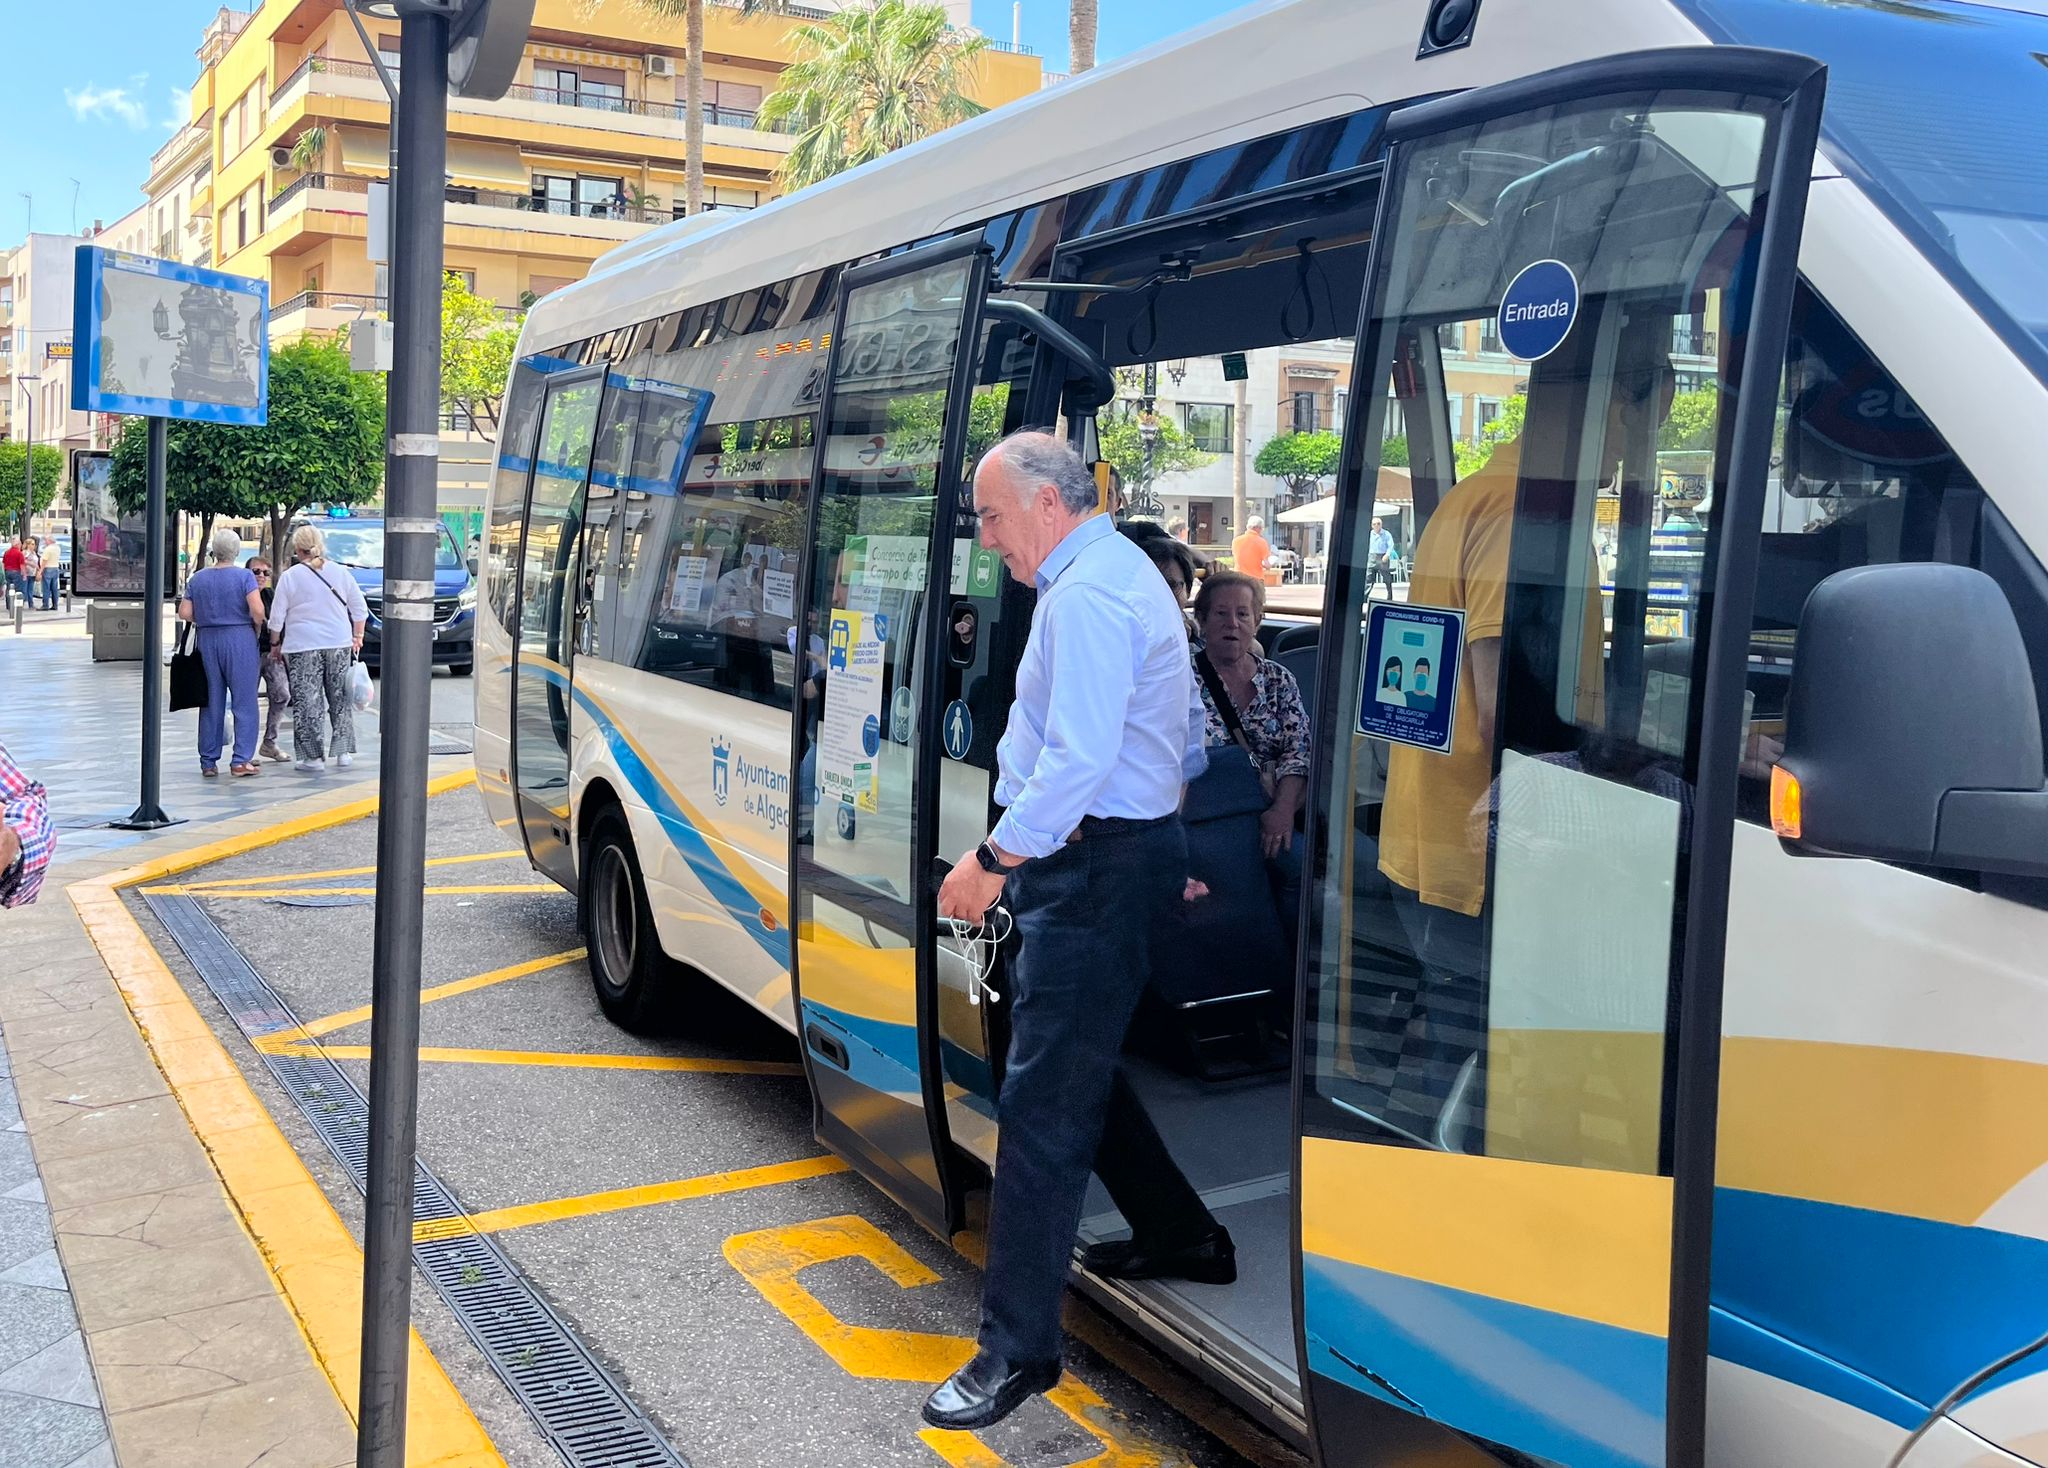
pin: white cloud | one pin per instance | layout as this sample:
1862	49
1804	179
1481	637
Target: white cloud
124	104
181	108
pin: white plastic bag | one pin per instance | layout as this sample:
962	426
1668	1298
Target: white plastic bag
361	689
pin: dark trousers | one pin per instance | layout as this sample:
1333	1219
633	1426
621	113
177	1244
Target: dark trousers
1378	570
1449	1022
1085	916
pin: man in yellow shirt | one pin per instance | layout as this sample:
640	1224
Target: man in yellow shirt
1250	551
1433	828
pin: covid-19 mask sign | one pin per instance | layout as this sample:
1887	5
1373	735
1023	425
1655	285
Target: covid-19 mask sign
160	339
1411	675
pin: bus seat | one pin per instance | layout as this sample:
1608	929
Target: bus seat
1218	962
1288	635
1300	660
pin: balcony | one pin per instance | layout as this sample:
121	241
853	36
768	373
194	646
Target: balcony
490	208
1685	342
729	126
328	311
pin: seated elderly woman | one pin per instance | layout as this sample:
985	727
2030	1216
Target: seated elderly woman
1260	708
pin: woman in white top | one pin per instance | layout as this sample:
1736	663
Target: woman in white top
316	625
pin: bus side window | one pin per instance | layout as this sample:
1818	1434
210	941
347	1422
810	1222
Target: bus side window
1864	478
521	420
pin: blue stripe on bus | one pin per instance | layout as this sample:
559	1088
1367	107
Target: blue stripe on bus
726	889
1910	1305
1571	1390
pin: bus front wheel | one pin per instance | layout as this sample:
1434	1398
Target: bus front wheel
634	979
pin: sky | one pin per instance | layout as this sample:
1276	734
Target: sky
96	86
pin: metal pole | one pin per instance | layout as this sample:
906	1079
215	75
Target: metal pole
149	814
413	413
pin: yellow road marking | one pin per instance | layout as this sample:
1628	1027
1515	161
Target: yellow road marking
772	1259
466	891
616	1199
568	1059
278	1042
276	877
312	1259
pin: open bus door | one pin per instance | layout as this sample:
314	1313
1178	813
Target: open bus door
1510	1023
870	729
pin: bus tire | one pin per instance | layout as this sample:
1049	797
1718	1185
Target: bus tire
634	979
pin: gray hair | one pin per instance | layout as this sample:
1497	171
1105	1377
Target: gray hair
226	546
1256	522
1037	458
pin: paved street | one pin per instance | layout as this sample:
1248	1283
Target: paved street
665	1195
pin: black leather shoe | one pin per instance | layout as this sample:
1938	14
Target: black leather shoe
985	1391
1211	1260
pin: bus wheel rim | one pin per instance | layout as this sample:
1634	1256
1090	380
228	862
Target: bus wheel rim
617	931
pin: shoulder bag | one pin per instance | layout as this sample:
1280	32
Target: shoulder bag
188	673
1227	711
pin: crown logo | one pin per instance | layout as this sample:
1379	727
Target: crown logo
720	749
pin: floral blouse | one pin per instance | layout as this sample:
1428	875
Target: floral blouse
1276	724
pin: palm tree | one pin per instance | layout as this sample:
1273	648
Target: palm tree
691	13
1081	35
310	150
867	81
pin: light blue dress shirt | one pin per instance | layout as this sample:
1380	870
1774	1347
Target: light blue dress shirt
1107	720
1382	542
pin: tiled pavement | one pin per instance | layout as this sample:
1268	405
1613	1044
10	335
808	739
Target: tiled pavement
171	1332
50	1414
75	725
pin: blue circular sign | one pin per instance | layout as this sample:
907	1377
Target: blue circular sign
871	734
1538	309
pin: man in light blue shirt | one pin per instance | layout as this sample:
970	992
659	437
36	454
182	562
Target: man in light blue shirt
1379	559
1090	858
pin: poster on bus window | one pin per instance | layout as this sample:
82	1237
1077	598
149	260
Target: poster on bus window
850	740
1411	675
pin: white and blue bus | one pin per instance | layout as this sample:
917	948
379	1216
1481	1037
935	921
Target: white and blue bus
1723	1136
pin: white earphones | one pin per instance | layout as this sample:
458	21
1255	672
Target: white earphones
978	943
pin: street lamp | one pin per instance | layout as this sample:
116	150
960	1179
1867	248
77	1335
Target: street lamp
28	448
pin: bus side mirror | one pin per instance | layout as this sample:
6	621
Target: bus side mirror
1912	732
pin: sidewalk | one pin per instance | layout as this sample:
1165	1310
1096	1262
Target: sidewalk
140	1322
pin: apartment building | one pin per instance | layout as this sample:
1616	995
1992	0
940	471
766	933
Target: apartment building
584	152
35	345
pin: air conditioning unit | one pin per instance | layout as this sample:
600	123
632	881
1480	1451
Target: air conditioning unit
661	66
280	158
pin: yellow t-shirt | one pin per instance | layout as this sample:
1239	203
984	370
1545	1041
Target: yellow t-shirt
1433	826
1248	554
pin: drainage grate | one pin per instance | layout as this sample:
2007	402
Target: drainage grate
447	741
588	1417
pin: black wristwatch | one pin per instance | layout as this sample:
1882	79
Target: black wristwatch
990	862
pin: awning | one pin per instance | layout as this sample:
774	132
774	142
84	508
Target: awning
1324	510
364	152
487	166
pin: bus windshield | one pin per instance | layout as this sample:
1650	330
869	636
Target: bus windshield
1935	108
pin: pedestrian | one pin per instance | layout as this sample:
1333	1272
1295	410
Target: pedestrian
1250	551
1088	857
11	561
27	838
316	621
53	573
277	691
32	571
1379	559
223	603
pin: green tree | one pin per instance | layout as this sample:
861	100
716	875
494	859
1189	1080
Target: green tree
309	151
1123	445
867	81
1694	416
1394	451
477	346
47	470
1472	457
1301	460
324	444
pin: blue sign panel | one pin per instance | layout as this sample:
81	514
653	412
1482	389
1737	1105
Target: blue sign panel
1410	693
165	340
958	730
1538	309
